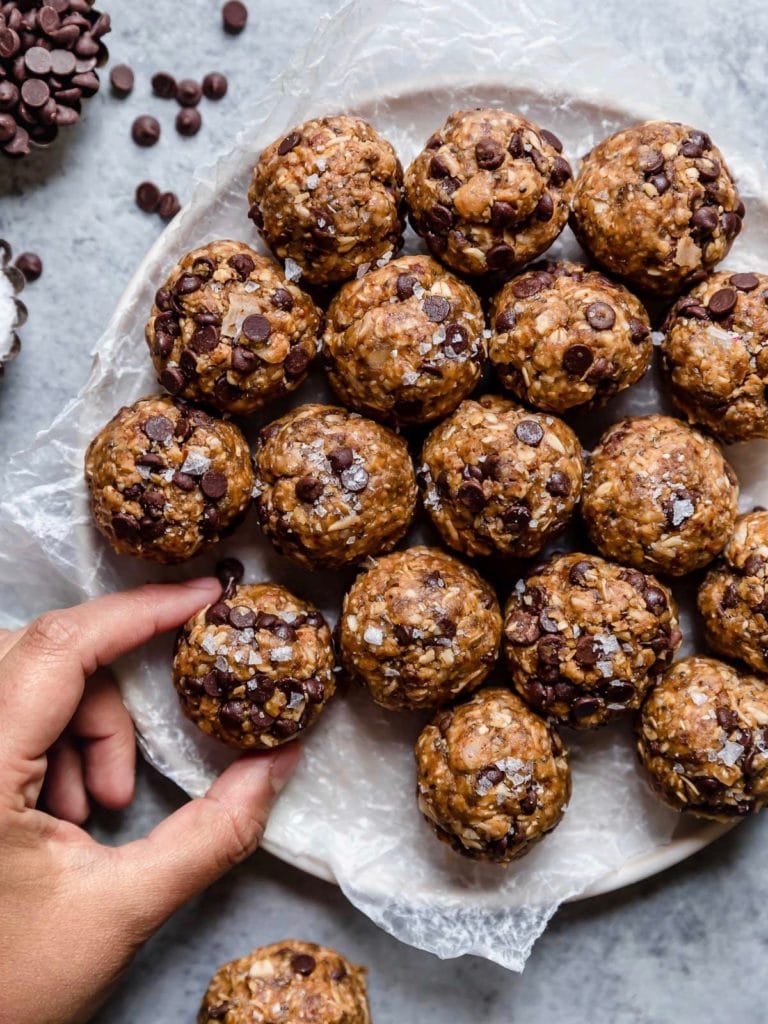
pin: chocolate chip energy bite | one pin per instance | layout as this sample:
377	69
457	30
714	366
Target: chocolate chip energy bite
490	191
733	599
703	739
498	479
656	204
166	480
405	343
289	982
715	355
418	628
659	496
327	196
228	329
255	669
585	638
332	487
565	336
492	777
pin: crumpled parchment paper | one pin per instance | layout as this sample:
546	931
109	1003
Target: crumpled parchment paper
350	812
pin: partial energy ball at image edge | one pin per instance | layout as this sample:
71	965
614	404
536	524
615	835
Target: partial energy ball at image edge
256	669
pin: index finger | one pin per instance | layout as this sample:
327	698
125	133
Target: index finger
43	674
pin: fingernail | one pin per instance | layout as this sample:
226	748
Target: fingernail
284	765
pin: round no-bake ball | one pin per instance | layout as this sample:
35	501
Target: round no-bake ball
256	668
490	191
327	196
405	343
418	628
228	329
715	355
659	496
565	336
703	739
656	204
332	487
166	480
499	479
586	638
492	777
733	599
289	982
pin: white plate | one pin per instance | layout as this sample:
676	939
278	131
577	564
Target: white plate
405	114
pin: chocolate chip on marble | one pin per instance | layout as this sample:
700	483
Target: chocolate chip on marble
235	17
529	432
147	196
215	85
30	265
189	121
169	205
189	92
121	78
164	85
145	130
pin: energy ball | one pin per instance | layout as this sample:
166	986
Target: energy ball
733	599
418	629
564	336
715	355
703	739
659	496
656	204
492	777
498	479
586	638
255	669
490	191
332	487
228	329
405	343
167	480
327	198
289	982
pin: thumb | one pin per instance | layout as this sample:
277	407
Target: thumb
205	838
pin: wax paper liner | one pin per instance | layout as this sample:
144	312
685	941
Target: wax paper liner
350	812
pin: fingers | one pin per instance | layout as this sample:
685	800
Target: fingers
205	838
63	792
42	675
108	743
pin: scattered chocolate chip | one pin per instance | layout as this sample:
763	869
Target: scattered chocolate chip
722	302
169	205
122	80
290	142
436	308
189	93
235	16
35	93
188	121
577	359
489	154
164	85
600	316
529	432
727	719
215	86
145	130
30	264
744	282
147	196
214	484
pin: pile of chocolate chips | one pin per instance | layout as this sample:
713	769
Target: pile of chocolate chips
49	52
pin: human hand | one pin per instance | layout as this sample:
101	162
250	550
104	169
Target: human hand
72	912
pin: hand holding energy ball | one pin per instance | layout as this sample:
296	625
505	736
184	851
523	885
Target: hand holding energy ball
80	908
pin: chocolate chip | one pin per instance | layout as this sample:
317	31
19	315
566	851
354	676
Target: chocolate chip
242	264
169	205
355	479
38	60
635	579
545	208
439	218
727	719
256	328
587	652
315	690
655	600
151	529
158	428
30	265
722	302
705	219
577	574
561	172
303	963
731	223
189	92
489	154
35	93
188	122
436	308
215	86
529	802
502	215
539	160
235	17
233	712
472	496
214	484
529	432
744	282
660	182
693	146
638	330
285	728
164	85
147	196
558	485
122	80
296	362
308	489
532	284
145	130
600	316
548	650
585	706
516	517
651	161
290	142
577	359
243	360
281	298
506	321
126	527
341	459
548	624
405	285
500	257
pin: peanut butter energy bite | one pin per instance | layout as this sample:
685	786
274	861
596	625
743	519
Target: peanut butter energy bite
733	599
566	336
492	777
703	739
327	196
405	343
498	479
255	669
289	982
166	480
228	329
715	355
418	628
656	204
332	487
586	638
490	191
659	496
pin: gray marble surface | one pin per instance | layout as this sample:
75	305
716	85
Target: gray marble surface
687	946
